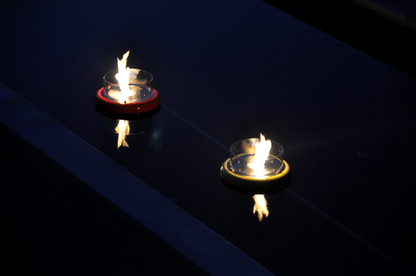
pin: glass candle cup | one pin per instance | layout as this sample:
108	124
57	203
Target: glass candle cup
138	83
243	161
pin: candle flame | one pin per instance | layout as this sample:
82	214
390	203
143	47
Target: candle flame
262	153
260	205
122	77
123	129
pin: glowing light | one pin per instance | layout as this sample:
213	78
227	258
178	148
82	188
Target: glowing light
262	153
260	206
123	129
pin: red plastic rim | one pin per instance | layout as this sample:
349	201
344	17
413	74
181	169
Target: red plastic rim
137	107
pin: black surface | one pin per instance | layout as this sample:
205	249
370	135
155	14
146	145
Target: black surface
228	70
361	28
51	226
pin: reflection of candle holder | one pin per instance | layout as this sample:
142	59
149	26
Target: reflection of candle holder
239	171
126	116
142	97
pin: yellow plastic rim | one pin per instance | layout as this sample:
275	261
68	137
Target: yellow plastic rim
224	168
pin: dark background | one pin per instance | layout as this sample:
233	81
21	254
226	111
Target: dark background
336	89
